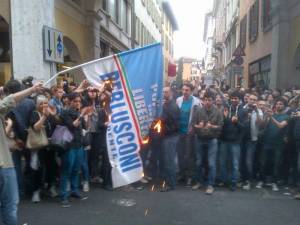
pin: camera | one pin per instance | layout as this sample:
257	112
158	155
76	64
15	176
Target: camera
27	82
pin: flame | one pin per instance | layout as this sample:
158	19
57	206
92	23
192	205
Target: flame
145	141
158	126
152	189
164	184
146	212
143	174
109	82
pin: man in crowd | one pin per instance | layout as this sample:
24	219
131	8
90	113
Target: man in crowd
253	120
74	119
170	121
9	196
208	122
273	142
230	140
187	104
296	137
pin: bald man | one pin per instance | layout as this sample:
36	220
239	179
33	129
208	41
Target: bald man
170	120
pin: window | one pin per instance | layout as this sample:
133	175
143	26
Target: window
113	10
104	5
266	15
243	32
137	29
253	21
142	35
104	49
124	21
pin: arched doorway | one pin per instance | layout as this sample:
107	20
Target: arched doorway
71	58
5	61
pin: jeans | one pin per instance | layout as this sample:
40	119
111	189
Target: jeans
94	155
212	160
186	155
247	161
17	159
71	163
271	155
169	150
85	167
232	150
9	196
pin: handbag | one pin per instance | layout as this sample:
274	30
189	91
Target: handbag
61	136
36	139
87	138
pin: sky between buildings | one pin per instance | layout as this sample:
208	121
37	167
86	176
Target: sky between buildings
190	14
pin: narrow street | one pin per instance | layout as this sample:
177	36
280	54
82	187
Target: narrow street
182	207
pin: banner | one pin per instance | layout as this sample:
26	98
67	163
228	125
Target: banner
137	78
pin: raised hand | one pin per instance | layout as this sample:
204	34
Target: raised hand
52	110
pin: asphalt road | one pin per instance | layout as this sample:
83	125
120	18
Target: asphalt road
180	207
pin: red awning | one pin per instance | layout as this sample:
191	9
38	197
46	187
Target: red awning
171	70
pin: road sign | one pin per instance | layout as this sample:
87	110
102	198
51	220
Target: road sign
239	51
53	45
238	60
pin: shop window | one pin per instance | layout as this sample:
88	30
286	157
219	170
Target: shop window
259	73
253	21
104	49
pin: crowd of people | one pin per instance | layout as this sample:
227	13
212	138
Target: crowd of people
230	138
210	137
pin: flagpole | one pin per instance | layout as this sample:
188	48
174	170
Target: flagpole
74	68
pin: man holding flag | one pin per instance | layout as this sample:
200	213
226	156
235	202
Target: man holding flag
136	80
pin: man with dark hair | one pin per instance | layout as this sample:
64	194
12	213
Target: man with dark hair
208	122
273	145
12	86
230	140
74	118
187	105
170	117
296	137
9	197
20	116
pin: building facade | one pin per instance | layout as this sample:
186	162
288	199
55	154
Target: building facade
91	29
169	25
285	65
261	45
208	39
219	13
256	40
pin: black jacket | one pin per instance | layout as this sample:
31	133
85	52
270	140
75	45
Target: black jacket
170	118
296	128
233	132
68	116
